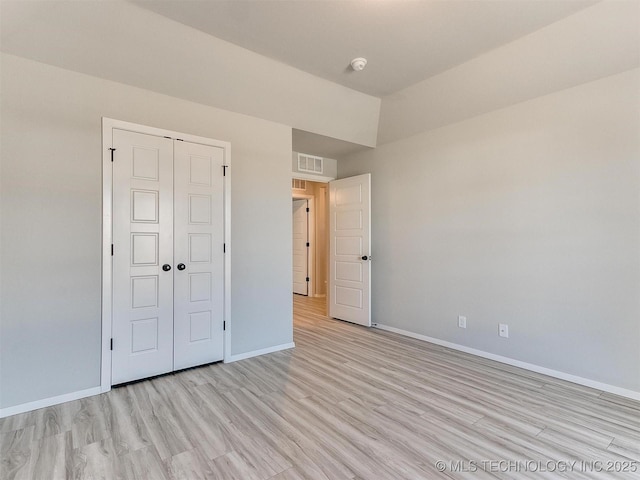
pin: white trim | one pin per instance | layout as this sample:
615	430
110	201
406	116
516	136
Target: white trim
48	402
108	124
161	132
313	178
605	387
256	353
311	238
227	255
107	240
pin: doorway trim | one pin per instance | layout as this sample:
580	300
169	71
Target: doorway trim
108	124
311	236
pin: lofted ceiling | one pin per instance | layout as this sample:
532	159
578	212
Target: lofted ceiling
267	56
405	41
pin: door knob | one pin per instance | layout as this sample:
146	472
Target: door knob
181	266
364	257
166	267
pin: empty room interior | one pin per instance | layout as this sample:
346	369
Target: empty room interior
328	239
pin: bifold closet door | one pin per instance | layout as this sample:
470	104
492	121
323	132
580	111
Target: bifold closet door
198	254
168	258
142	327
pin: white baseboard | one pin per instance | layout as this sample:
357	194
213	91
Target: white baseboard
623	392
67	397
255	353
48	402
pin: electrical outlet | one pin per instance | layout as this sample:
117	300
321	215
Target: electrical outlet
462	321
503	330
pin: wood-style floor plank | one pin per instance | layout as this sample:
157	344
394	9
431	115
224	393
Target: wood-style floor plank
347	403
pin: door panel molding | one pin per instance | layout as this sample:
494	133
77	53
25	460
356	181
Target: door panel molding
350	249
146	169
142	291
198	301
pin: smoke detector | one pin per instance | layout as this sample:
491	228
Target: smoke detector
358	64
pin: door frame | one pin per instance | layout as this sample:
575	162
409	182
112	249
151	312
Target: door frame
108	124
311	238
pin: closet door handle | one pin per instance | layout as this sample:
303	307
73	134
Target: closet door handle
181	266
166	267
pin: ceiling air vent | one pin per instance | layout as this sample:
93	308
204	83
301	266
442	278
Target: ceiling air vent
309	163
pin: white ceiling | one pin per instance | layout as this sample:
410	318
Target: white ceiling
405	41
430	62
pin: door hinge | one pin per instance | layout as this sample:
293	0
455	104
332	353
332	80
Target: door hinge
307	209
308	245
111	344
224	248
224	170
112	249
224	325
307	279
112	150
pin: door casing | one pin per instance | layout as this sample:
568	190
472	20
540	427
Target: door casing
311	257
108	124
307	240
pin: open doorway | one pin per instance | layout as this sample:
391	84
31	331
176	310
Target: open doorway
310	202
301	244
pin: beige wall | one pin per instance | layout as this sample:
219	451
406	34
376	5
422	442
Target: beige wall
322	237
528	215
51	219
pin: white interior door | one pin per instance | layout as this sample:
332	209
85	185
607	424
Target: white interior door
142	326
350	249
168	255
199	254
300	246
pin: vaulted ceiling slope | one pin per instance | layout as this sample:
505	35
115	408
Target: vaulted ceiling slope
405	41
593	43
119	41
432	62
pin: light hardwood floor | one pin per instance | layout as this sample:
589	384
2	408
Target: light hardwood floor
346	403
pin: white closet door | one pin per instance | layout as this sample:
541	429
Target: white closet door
143	244
300	249
199	256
